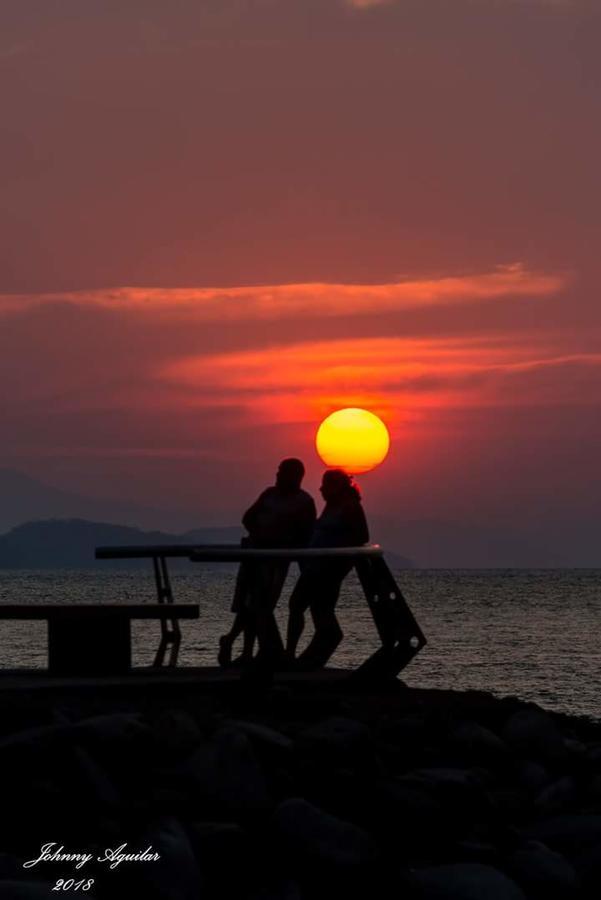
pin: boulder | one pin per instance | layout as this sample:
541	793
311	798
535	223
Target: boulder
175	732
309	833
567	833
464	881
337	739
114	730
226	777
534	733
460	792
29	890
281	890
474	744
406	815
89	781
21	747
542	872
558	796
175	876
530	775
266	739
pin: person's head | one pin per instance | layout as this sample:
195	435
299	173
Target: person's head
337	485
290	474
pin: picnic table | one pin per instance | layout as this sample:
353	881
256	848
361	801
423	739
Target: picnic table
401	638
93	638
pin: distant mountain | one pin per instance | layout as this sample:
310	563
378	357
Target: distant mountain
25	499
70	543
440	544
423	543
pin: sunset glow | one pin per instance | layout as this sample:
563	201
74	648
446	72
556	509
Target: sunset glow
352	439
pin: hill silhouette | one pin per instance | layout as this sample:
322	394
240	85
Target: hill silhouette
70	543
26	499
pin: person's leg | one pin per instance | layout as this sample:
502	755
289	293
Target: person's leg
298	605
328	633
271	648
226	641
279	574
242	621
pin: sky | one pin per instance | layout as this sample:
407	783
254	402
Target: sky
223	219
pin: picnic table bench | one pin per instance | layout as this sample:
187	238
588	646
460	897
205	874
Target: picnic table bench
93	638
400	635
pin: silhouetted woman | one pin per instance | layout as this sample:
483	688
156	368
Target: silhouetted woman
341	524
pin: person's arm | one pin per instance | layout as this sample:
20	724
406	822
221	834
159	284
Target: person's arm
307	523
360	529
249	519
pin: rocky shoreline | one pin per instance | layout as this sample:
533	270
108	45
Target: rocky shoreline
299	791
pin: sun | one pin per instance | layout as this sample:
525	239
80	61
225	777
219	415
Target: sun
352	439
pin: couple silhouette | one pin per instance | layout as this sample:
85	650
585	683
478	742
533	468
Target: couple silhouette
283	516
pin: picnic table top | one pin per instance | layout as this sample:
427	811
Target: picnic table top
233	552
98	610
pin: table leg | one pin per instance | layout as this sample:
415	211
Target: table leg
89	647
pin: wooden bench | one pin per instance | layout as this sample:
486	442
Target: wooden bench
94	638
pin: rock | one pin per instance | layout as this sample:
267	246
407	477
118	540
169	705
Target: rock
558	796
576	749
531	776
225	774
406	815
450	778
401	740
9	866
464	881
478	851
534	734
566	833
336	739
89	781
587	863
265	738
308	832
29	890
284	890
115	731
543	873
460	791
475	744
176	732
33	741
509	803
175	876
593	755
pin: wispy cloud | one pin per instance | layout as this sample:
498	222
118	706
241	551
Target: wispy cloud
366	4
395	376
306	299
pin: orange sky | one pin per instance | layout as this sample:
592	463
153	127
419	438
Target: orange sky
221	221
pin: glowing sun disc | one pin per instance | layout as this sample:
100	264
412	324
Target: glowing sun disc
352	439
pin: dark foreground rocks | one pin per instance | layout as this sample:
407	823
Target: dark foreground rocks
298	793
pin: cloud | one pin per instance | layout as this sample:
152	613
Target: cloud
283	301
367	4
398	377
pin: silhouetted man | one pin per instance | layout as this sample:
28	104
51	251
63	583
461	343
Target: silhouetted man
282	516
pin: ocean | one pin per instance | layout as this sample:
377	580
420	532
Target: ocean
533	634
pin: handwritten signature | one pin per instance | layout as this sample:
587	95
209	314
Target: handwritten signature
53	852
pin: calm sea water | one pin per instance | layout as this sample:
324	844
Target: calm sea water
528	633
